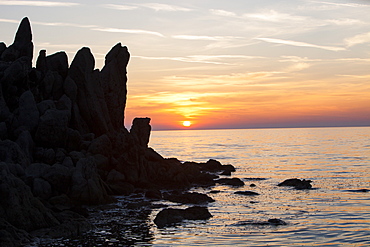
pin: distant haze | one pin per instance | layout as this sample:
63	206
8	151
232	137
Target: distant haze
217	63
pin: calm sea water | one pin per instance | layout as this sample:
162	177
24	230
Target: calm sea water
337	160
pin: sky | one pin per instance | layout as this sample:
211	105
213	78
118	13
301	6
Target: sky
218	63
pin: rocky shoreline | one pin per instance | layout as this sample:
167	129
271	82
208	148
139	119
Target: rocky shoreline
63	144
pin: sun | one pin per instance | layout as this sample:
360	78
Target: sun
186	123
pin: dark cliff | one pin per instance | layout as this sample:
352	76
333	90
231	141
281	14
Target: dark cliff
63	143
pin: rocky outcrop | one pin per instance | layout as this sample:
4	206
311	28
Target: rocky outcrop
63	143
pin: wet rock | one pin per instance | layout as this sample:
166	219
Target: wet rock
247	193
170	216
236	182
153	194
188	198
226	173
297	183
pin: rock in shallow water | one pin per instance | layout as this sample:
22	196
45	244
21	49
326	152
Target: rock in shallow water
297	183
170	216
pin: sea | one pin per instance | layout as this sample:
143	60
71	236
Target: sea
335	212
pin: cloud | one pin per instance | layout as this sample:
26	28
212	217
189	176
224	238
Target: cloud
91	27
131	31
346	22
352	5
208	59
274	16
301	44
223	42
358	39
119	7
198	37
38	3
60	24
163	7
221	12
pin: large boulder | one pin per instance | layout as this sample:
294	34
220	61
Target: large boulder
87	186
52	129
18	206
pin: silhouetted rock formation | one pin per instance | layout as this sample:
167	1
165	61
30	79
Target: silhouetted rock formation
63	143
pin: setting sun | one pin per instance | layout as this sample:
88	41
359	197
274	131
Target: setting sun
186	123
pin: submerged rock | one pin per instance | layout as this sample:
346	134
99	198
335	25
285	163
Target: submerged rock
360	190
188	198
273	222
230	181
247	193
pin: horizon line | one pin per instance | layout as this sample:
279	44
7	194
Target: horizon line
278	127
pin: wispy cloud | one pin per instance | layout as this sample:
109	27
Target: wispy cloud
38	3
153	6
163	7
352	5
91	27
131	31
346	22
221	12
199	37
301	44
274	16
119	6
358	39
60	24
208	59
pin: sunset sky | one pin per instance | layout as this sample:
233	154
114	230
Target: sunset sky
218	63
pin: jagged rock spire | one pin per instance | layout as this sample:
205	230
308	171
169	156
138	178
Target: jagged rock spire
22	45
